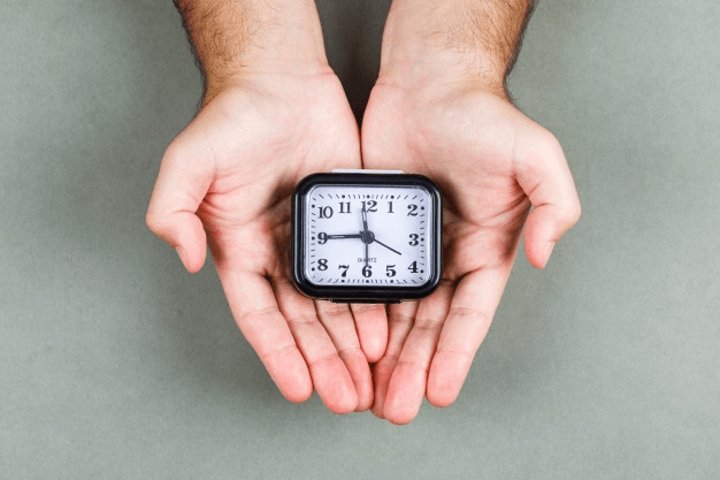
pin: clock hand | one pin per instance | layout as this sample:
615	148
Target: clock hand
350	235
363	214
365	232
389	248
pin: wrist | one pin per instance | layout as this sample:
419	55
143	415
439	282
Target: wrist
236	38
430	43
267	74
441	71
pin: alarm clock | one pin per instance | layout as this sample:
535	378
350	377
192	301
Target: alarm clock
367	236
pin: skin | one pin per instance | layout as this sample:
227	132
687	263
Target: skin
272	113
440	108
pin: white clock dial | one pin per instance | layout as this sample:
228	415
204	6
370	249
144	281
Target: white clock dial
359	235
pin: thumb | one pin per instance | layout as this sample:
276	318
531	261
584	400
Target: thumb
544	176
184	179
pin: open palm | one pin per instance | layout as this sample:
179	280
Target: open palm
226	181
492	163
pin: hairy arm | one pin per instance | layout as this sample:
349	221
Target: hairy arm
471	39
232	37
273	113
441	108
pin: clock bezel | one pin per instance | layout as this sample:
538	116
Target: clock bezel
358	293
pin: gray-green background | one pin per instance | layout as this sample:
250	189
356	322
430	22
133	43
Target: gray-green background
116	364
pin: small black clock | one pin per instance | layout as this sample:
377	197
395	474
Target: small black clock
367	236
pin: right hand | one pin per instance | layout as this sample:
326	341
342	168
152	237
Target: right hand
227	180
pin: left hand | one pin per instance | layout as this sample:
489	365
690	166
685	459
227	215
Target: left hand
491	162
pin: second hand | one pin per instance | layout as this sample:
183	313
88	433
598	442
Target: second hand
389	248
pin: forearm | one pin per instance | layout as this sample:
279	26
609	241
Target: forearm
231	37
475	40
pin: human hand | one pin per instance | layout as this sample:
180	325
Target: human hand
227	180
492	163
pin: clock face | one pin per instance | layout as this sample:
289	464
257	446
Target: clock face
368	235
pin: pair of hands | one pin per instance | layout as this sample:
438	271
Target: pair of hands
226	181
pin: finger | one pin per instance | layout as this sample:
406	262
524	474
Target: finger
545	177
473	307
331	377
408	383
253	305
400	321
338	322
185	176
372	327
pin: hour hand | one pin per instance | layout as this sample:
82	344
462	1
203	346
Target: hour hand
336	237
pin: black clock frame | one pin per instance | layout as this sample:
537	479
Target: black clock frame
359	293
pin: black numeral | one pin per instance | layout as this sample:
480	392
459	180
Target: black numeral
413	267
344	207
367	271
390	271
414	240
412	210
322	238
322	264
370	206
390	209
325	212
345	269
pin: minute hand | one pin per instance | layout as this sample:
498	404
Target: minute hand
365	232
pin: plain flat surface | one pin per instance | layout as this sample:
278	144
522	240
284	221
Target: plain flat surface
116	364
